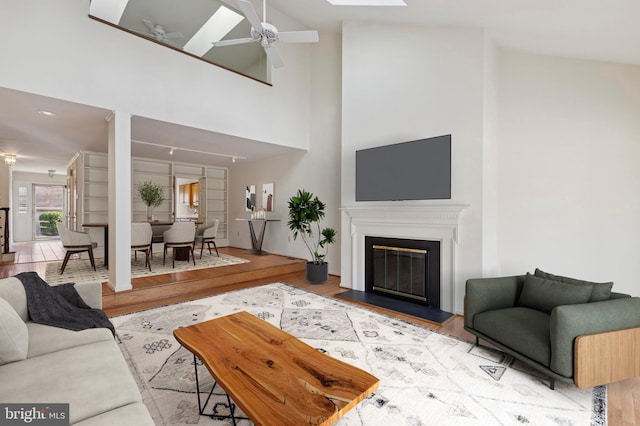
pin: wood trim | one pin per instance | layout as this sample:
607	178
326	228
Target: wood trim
608	357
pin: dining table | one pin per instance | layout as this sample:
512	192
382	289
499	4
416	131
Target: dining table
105	226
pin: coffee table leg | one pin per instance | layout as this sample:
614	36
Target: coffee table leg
201	408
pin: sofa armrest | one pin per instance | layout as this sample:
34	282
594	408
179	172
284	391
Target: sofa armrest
91	293
608	357
570	321
488	294
615	295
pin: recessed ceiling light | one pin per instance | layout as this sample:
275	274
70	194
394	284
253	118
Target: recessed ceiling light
367	2
47	113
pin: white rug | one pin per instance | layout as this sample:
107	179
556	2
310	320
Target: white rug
427	378
80	270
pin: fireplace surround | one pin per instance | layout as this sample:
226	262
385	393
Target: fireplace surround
433	223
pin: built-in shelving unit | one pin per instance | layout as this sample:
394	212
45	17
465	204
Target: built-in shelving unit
216	199
94	188
92	177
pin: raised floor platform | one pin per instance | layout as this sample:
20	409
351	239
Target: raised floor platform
158	290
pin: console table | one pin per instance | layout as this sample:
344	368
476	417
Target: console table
256	240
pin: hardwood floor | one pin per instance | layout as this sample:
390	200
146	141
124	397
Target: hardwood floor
623	397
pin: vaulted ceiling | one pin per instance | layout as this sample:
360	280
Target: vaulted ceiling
588	29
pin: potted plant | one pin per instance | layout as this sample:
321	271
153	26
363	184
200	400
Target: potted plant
305	214
152	194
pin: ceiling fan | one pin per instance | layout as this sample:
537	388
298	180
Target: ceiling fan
158	32
267	35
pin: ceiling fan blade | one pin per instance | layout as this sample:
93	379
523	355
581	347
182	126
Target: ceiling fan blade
149	24
250	13
274	57
232	42
298	37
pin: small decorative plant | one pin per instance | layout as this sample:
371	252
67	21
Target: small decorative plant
151	193
305	214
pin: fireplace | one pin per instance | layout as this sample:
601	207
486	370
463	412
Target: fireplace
404	269
430	223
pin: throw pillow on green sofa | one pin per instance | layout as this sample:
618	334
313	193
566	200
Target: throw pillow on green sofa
544	295
600	292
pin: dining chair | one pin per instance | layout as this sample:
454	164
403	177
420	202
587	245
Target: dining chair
75	242
180	235
141	234
207	235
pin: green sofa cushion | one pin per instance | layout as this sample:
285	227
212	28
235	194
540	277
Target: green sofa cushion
522	329
600	292
544	295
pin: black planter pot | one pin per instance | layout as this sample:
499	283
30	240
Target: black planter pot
317	273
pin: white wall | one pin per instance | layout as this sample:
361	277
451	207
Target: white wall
490	224
569	168
52	48
402	83
5	187
316	170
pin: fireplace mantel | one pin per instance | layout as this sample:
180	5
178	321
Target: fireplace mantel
435	223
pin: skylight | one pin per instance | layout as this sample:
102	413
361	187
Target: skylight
367	2
109	10
218	26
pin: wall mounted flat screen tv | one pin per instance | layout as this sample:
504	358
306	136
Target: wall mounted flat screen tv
416	170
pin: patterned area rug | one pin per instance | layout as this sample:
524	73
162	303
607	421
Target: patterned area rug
426	377
80	270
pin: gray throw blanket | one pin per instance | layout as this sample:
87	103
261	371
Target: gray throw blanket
60	305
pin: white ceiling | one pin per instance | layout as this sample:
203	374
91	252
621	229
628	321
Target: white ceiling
588	29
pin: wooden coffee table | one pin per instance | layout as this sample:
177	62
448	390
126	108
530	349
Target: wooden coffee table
272	376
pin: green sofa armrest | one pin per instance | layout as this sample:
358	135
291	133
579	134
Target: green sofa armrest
488	294
615	295
570	321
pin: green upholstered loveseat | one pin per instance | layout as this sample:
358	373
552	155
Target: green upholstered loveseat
571	330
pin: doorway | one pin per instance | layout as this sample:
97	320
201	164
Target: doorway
48	209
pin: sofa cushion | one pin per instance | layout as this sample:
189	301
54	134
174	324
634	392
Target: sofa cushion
14	337
522	329
92	378
544	295
44	339
131	414
600	291
12	290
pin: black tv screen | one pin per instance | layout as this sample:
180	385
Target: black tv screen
416	170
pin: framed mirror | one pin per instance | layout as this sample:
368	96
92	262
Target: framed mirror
267	197
186	198
189	27
250	198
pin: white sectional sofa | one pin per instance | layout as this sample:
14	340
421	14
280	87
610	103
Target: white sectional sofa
45	364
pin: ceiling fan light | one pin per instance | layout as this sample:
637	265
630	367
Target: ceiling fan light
10	159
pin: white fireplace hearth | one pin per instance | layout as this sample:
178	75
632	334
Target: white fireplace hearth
433	223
